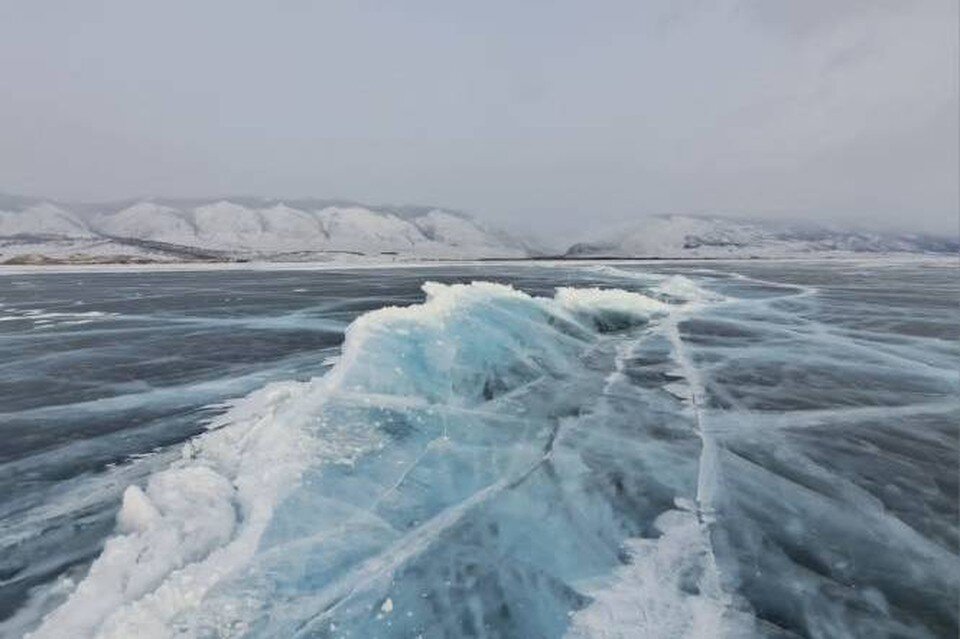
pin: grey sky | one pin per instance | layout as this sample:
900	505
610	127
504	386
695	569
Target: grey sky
564	116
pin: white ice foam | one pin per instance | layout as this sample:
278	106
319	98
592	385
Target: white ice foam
596	300
668	590
195	522
672	288
682	288
202	519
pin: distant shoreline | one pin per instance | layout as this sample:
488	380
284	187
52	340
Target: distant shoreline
373	263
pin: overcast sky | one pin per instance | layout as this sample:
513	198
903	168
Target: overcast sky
562	116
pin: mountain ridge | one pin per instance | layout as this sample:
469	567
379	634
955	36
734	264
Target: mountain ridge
673	235
243	228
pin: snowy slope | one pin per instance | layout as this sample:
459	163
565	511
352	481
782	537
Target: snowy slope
245	228
42	219
149	221
693	236
273	228
312	229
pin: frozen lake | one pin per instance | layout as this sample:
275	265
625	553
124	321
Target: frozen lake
654	450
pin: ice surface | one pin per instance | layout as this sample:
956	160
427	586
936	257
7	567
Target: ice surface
696	454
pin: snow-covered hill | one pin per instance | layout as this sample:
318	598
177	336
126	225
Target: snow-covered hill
693	236
245	228
42	220
34	230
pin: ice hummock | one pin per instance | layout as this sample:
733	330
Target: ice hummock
326	490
